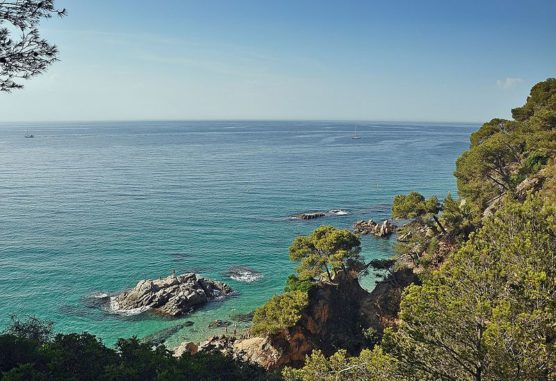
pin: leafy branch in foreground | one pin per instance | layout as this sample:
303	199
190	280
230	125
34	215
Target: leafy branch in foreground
28	55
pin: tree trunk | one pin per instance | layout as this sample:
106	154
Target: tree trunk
328	273
439	224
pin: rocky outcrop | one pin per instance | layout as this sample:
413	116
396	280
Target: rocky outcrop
529	185
186	347
222	344
336	317
308	216
258	350
173	295
384	229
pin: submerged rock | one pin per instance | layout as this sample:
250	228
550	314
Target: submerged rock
161	336
219	324
243	318
173	295
384	229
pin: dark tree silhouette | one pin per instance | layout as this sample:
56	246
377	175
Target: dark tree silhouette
23	53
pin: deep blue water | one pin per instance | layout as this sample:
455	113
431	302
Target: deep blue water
95	207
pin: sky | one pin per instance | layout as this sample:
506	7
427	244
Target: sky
439	61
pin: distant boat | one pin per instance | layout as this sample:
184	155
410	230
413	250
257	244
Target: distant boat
28	135
355	136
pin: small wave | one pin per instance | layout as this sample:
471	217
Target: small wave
99	295
96	300
244	274
339	212
114	308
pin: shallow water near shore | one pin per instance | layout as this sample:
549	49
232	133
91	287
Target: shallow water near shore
92	208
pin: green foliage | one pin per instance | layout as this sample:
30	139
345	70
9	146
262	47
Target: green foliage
327	250
503	153
16	350
458	218
491	128
83	357
414	205
485	171
66	353
293	283
532	164
543	95
370	365
32	328
280	312
489	312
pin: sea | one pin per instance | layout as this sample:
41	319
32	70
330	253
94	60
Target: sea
89	209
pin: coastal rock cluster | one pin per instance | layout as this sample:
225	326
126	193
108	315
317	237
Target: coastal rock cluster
384	229
174	295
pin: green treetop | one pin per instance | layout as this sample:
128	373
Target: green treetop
327	250
415	206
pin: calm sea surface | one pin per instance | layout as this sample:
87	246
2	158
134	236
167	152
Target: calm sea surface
88	208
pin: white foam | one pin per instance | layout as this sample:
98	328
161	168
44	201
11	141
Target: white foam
114	307
99	295
246	276
339	212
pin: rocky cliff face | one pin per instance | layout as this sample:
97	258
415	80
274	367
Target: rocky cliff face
337	317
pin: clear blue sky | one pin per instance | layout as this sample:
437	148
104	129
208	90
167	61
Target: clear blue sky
445	60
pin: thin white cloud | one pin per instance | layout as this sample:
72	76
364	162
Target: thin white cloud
508	83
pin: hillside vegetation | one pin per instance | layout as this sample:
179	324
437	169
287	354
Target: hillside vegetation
486	305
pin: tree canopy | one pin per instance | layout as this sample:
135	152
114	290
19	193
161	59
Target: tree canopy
326	250
23	53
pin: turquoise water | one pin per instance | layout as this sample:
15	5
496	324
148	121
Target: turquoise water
95	207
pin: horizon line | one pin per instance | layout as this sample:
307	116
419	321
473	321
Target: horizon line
240	120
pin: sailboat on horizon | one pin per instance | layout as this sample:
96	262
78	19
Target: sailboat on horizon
355	136
28	135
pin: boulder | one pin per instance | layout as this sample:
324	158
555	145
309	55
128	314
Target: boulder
186	347
529	185
384	229
173	295
257	350
222	344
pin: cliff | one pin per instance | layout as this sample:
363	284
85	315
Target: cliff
339	315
